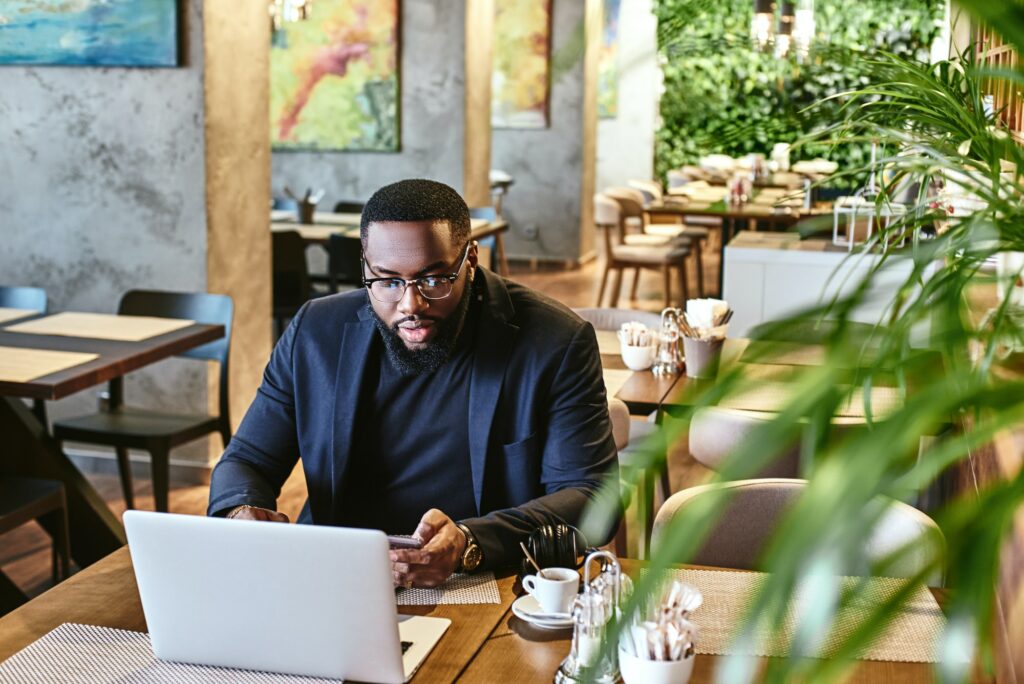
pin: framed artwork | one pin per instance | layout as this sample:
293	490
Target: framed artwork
608	63
131	33
521	77
334	78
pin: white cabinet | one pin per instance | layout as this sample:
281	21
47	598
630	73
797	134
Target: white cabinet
769	276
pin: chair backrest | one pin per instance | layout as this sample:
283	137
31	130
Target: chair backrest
630	200
201	307
606	211
486	213
742	532
651	189
30	298
344	260
612	319
291	275
716	432
618	412
284	203
349	207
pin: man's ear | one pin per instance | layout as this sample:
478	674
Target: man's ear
472	257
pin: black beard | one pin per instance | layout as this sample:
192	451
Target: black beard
436	352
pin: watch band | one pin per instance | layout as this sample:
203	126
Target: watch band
472	555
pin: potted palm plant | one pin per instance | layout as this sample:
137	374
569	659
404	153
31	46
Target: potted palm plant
942	342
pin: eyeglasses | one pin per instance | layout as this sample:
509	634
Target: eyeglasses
391	290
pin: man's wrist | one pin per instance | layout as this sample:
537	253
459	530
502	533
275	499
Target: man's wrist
471	555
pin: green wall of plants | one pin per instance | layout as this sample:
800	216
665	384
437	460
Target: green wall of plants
723	96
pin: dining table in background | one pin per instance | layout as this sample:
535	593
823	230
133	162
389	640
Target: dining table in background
326	224
776	207
30	451
485	643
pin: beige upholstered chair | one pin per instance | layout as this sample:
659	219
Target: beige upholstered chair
716	432
620	256
644	435
633	201
741	533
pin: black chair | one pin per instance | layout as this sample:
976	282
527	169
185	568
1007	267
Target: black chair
24	499
124	427
344	261
291	283
31	298
349	207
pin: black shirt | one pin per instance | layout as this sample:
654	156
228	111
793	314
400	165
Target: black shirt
398	469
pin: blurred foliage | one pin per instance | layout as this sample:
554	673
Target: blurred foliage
724	96
957	368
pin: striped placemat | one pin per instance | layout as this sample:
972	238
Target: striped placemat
476	588
911	637
86	654
21	364
9	314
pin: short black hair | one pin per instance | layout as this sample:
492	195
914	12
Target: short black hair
418	199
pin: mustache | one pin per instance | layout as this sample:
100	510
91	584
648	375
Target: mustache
413	319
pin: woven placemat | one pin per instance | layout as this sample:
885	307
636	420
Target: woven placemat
911	637
85	654
477	588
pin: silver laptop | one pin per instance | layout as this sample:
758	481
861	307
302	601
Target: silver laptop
294	599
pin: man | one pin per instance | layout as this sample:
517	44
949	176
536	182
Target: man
440	399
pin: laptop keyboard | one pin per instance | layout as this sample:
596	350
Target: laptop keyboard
406	645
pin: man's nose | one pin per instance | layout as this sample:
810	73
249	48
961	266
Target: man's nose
412	301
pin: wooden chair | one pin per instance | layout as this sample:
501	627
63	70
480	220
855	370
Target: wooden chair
741	533
125	427
633	202
291	284
618	256
25	499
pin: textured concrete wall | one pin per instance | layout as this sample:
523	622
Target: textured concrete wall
543	207
433	92
625	144
102	191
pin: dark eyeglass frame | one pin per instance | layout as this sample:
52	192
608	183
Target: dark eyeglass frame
450	277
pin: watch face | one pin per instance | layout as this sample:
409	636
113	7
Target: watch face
472	557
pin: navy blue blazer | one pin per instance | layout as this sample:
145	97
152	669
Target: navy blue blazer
540	436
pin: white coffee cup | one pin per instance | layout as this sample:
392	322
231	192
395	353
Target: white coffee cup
554	588
638	358
641	671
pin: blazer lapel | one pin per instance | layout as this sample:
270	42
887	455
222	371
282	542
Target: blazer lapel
355	348
495	339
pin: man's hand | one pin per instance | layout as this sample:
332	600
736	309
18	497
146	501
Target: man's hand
443	544
254	513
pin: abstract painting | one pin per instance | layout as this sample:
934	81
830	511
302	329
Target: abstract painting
89	32
334	78
608	63
522	64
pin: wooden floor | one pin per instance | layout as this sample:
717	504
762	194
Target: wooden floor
25	552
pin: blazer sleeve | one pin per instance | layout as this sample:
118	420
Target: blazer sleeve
578	456
264	450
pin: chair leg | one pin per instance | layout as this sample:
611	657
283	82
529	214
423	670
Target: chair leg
124	467
225	435
39	409
698	261
621	547
604	282
161	478
636	283
666	278
57	521
616	287
684	281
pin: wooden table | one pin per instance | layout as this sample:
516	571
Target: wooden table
644	392
485	643
328	223
30	451
733	216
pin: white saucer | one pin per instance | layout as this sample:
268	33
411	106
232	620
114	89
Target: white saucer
526	608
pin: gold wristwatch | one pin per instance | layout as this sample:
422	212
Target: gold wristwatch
472	555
